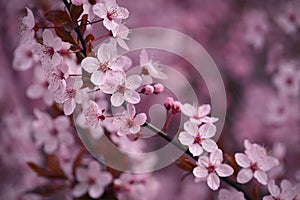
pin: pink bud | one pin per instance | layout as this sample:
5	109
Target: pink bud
169	103
147	89
158	88
176	107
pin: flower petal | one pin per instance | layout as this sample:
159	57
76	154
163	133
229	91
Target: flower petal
196	149
273	189
186	138
191	128
207	130
242	160
261	177
213	181
90	64
200	172
117	99
224	170
209	145
244	176
80	189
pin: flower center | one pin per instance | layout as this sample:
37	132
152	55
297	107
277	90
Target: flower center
289	81
54	132
292	17
211	169
254	167
48	51
91	181
121	89
198	140
103	67
70	93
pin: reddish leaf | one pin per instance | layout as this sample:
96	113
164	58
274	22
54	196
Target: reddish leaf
39	170
65	36
58	17
83	23
47	189
89	38
54	166
185	164
75	12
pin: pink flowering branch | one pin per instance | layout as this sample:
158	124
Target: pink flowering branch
186	151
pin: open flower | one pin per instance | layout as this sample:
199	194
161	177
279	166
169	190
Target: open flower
198	115
211	168
129	123
91	180
150	68
287	191
255	162
27	26
111	14
57	76
198	138
48	50
106	61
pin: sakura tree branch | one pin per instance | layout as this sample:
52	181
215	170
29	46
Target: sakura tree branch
179	146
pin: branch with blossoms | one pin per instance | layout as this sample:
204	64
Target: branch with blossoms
69	71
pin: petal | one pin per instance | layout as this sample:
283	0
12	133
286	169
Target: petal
273	189
186	138
50	146
100	10
105	179
133	82
216	157
261	177
90	64
144	58
140	119
244	176
213	181
132	97
268	163
209	145
35	91
80	189
242	160
224	170
95	191
47	37
196	149
191	128
62	123
200	172
135	129
97	78
93	168
268	197
188	110
81	174
203	161
117	99
69	106
103	52
204	110
207	130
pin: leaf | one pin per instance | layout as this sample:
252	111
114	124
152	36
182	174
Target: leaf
58	17
39	170
89	38
54	166
83	23
185	164
65	36
47	189
75	12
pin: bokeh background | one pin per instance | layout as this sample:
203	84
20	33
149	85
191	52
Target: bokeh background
256	46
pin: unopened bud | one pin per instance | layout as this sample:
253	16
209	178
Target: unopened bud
169	103
158	88
176	108
147	89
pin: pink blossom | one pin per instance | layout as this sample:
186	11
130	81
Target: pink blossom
287	80
169	103
289	18
198	138
48	50
158	88
91	180
51	132
111	13
176	107
129	123
255	162
23	57
122	35
230	195
106	61
57	76
211	168
39	89
147	89
122	88
287	191
198	115
27	26
150	69
70	94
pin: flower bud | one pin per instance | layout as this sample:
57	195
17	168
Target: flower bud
169	103
147	89
158	88
176	108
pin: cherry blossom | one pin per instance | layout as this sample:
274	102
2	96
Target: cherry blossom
106	61
51	132
111	14
129	123
91	180
198	115
93	118
48	50
39	89
23	56
198	139
122	35
287	191
122	88
27	26
150	68
287	80
255	162
230	195
70	94
289	18
57	76
211	168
